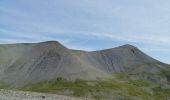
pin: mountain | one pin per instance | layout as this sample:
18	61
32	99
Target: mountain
27	63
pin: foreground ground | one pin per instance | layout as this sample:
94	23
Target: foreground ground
20	95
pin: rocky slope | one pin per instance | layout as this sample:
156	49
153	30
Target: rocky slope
23	64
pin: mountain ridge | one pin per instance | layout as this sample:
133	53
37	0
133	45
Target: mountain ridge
26	63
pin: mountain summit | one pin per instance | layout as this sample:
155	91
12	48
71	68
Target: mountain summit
27	63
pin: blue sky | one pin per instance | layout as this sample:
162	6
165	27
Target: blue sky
89	24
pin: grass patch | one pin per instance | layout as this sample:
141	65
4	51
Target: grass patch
3	85
122	76
161	94
140	83
101	89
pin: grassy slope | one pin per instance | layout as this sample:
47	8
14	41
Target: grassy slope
103	89
119	88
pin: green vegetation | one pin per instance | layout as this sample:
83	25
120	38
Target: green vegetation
101	89
122	76
78	87
161	93
140	83
3	85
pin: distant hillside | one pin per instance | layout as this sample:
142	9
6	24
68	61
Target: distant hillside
28	63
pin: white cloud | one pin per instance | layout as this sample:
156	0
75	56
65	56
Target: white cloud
156	50
141	38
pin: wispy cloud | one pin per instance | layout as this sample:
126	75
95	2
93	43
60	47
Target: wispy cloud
141	38
127	38
87	23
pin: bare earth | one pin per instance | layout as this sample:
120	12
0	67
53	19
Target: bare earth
20	95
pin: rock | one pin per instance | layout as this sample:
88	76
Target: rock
42	96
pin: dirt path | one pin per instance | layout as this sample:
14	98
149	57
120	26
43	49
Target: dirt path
20	95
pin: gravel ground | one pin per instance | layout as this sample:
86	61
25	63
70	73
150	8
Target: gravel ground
20	95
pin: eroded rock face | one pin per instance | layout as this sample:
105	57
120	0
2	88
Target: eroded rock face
22	64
